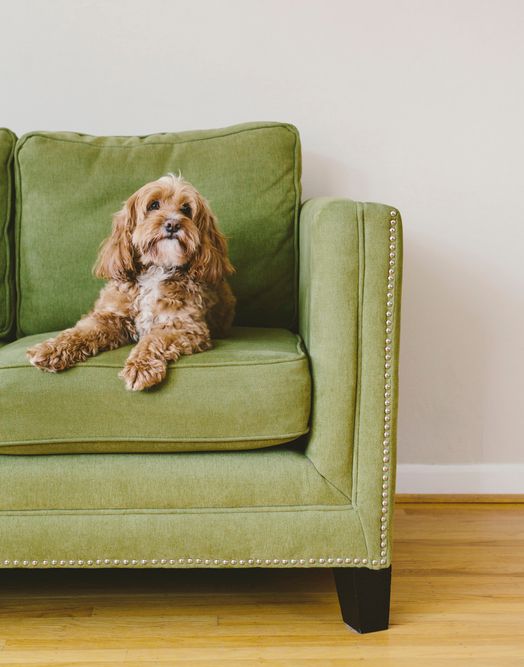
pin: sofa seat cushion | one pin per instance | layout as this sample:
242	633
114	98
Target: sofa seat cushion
251	390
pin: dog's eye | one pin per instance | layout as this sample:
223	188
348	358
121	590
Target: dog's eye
186	210
154	205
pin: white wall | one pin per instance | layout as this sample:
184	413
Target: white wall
417	103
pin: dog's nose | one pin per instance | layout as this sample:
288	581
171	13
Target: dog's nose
171	227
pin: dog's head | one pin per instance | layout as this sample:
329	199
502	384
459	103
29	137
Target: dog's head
166	223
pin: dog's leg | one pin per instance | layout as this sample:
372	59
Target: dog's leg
94	333
147	363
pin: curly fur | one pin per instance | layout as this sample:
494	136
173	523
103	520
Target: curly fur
166	264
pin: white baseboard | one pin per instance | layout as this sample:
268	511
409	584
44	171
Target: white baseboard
471	478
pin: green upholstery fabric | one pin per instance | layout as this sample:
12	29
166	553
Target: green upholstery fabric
223	507
68	185
7	302
251	390
347	252
263	478
325	499
283	537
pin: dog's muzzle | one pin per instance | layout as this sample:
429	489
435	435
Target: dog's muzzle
171	228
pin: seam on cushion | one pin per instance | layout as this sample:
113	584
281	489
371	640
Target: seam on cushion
301	347
18	207
43	135
360	316
328	481
7	225
241	364
18	213
296	258
364	537
188	510
356	436
118	438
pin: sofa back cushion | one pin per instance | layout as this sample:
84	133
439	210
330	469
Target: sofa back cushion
7	305
68	185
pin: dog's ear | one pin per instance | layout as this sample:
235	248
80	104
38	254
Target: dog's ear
210	262
116	257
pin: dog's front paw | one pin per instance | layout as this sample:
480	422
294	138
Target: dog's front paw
142	373
50	357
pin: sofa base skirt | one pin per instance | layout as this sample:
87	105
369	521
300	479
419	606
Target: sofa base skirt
260	508
298	537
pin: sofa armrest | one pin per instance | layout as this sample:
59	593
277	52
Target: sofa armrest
350	262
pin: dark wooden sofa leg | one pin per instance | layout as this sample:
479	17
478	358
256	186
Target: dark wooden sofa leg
363	595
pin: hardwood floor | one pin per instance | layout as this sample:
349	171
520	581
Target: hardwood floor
457	599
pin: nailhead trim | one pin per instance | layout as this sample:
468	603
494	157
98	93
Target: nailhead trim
386	442
198	562
268	562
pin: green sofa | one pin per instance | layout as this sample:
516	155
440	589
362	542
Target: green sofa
274	449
